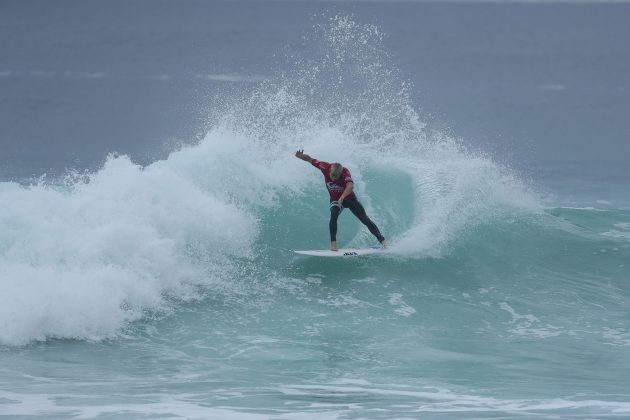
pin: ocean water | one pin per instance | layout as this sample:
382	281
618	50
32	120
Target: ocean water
150	203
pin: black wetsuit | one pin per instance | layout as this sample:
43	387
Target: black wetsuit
357	209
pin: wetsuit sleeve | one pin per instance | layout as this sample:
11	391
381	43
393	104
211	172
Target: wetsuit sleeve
321	165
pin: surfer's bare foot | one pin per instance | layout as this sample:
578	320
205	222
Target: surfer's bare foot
333	246
384	243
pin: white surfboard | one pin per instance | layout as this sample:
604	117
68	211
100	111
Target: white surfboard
342	252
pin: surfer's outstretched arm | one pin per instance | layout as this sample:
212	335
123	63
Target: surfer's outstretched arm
301	155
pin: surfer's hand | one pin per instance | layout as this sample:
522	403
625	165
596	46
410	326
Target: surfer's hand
301	155
340	201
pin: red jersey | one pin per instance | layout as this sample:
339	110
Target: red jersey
335	187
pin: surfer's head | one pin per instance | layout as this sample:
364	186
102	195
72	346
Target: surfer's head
335	170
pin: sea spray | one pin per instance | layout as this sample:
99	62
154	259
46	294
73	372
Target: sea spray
343	100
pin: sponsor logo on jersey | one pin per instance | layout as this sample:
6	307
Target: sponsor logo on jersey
334	187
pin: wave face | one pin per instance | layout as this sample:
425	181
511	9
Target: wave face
487	291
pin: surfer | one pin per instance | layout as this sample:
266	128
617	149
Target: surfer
341	189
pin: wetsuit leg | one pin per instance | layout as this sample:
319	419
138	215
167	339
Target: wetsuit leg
357	209
335	210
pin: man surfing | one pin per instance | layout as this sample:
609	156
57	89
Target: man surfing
341	189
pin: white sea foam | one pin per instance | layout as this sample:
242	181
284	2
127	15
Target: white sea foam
80	260
402	309
336	400
164	407
616	336
622	231
529	325
440	400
